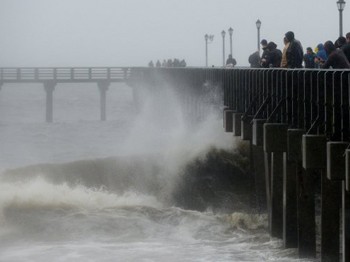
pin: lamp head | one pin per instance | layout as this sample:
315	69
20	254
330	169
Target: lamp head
230	31
341	5
258	24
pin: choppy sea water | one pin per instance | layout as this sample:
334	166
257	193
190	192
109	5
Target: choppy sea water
83	190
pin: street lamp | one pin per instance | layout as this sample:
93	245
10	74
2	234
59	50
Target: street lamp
208	39
223	33
341	6
258	25
230	31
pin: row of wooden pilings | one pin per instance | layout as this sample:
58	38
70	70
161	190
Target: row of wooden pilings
297	122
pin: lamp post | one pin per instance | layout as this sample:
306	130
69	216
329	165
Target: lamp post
230	31
223	33
208	39
258	25
341	6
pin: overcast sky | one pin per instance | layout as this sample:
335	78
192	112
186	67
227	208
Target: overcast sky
133	32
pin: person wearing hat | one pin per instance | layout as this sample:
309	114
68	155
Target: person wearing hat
294	53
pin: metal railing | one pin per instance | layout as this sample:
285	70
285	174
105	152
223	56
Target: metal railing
314	100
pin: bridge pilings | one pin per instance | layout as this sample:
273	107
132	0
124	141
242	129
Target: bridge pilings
103	87
275	142
291	168
293	162
49	87
345	223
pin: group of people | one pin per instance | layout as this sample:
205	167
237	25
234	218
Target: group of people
328	55
168	63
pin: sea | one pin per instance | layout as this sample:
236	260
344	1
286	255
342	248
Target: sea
81	189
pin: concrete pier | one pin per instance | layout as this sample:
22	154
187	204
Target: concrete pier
331	190
228	120
275	143
345	224
291	167
237	122
314	156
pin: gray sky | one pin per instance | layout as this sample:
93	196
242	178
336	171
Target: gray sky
133	32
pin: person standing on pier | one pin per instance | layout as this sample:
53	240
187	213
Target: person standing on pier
294	53
254	60
336	57
346	46
321	56
230	62
284	53
309	58
264	53
273	56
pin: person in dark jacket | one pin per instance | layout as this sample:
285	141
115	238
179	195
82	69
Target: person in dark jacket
336	58
273	57
231	62
254	60
264	53
340	42
309	58
346	46
294	52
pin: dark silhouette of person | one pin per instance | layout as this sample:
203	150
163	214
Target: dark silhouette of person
346	46
183	63
273	56
231	62
264	53
309	58
336	57
254	60
294	52
340	42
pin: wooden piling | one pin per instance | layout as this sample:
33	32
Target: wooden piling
103	87
49	88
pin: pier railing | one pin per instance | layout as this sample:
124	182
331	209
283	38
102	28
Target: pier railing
64	74
314	100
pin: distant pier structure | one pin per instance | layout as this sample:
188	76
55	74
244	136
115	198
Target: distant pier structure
50	77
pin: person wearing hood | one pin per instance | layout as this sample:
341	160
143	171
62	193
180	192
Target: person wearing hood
309	58
321	55
294	53
254	60
336	57
273	57
264	53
